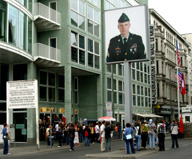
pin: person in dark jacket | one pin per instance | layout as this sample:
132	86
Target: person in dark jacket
87	134
108	132
71	133
161	135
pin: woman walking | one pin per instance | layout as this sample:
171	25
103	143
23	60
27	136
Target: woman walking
129	138
174	134
5	139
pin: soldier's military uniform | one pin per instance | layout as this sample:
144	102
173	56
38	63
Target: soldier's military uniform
132	49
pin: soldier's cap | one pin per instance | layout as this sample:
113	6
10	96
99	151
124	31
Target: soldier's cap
123	18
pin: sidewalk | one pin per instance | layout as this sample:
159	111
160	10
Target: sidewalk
25	148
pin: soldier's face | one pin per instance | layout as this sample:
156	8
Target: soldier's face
124	28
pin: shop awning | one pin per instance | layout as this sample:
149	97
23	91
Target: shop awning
148	115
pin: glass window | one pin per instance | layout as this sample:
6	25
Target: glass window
96	29
108	68
74	54
43	93
142	101
90	45
74	4
115	97
114	84
13	25
120	86
134	89
90	26
96	48
138	76
81	22
133	74
97	62
90	12
23	2
120	98
96	16
43	78
51	94
96	2
74	18
30	5
51	79
29	35
61	95
82	57
61	81
138	90
120	69
3	20
73	38
90	60
81	7
134	100
4	77
81	42
109	83
142	92
138	101
109	96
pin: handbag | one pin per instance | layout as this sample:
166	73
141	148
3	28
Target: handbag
128	137
7	137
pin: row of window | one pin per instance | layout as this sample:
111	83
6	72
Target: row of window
78	51
78	17
48	87
141	96
118	91
117	69
19	28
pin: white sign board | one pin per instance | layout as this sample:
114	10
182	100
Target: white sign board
1	134
76	139
22	94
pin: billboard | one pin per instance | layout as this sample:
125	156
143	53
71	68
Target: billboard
127	35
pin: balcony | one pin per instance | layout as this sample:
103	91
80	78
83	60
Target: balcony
13	55
46	56
46	19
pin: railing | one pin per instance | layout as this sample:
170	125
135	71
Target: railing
47	52
47	12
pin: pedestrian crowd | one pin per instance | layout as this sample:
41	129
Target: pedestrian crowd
143	133
139	133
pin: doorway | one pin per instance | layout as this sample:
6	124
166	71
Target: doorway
20	122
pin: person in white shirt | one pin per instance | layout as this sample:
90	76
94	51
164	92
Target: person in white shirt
102	136
97	131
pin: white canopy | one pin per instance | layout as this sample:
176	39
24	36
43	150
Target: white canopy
148	115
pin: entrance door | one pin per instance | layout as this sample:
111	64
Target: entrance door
20	121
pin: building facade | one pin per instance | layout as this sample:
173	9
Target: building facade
61	44
166	62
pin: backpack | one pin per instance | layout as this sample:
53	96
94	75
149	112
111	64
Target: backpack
161	129
86	134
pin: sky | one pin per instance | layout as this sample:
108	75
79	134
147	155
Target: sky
176	12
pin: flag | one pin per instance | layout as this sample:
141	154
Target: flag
181	129
179	77
183	91
178	56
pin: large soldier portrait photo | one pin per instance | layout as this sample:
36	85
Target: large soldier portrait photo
127	46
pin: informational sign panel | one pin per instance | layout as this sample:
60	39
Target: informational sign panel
127	34
76	139
109	111
153	64
22	94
